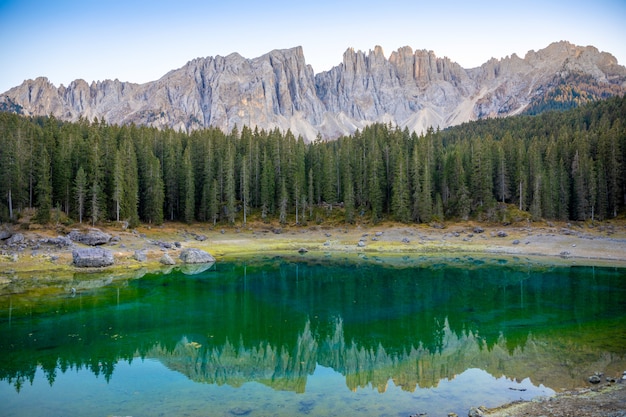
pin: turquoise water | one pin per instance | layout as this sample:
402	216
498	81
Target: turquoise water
284	338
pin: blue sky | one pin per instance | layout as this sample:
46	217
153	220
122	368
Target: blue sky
139	41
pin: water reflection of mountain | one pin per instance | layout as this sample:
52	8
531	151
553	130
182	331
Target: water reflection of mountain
273	324
416	367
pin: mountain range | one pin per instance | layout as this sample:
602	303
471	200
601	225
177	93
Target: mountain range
412	89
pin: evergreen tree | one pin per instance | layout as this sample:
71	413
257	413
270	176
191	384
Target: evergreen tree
151	196
580	187
502	175
245	188
189	201
43	188
400	200
214	202
284	199
172	155
482	175
118	179
80	192
229	185
311	193
348	198
130	184
267	187
374	185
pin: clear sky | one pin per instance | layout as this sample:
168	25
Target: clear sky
140	41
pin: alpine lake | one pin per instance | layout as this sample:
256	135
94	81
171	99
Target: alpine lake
314	336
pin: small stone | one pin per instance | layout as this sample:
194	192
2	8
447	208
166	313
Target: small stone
167	260
140	256
475	412
502	233
516	242
303	250
595	379
240	411
361	244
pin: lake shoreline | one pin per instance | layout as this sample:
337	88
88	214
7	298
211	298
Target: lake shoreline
552	244
48	269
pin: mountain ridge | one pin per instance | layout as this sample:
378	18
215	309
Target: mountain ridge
412	89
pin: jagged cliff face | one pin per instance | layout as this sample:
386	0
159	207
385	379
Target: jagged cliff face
413	89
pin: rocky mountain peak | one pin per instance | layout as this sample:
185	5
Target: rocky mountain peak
412	88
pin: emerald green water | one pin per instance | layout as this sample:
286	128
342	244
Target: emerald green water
287	338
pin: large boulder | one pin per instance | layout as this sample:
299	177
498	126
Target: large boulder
92	257
93	237
196	256
60	241
15	239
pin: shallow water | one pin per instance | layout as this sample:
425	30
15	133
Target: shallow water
326	338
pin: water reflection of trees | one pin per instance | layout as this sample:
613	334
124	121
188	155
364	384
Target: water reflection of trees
415	326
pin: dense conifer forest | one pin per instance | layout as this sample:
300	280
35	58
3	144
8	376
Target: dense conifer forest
568	165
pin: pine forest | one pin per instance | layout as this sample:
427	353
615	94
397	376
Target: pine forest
568	165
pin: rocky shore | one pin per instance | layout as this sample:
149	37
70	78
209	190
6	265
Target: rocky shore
35	249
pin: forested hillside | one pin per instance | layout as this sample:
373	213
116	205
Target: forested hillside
558	165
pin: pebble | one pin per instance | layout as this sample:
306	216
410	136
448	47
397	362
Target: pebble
595	378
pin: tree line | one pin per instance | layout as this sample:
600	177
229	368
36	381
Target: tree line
557	165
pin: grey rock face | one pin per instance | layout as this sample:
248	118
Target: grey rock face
92	257
412	89
196	256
